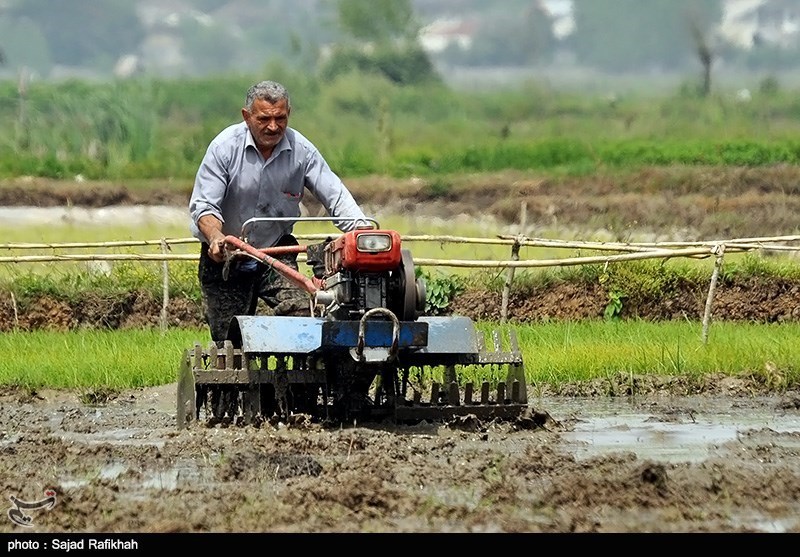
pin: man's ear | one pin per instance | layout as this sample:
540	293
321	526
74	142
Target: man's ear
245	114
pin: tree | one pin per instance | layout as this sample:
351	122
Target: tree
383	40
82	32
630	35
211	47
706	56
24	46
378	21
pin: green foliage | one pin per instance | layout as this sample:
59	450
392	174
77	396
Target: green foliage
212	46
769	86
408	65
378	21
24	45
520	36
371	120
87	32
638	281
438	189
753	264
122	278
440	288
614	308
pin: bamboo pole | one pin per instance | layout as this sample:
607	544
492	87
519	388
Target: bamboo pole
570	261
509	240
115	244
523	218
711	290
100	257
165	286
489	264
16	312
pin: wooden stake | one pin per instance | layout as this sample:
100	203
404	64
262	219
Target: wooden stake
720	249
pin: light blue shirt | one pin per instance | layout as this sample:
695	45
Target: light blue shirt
234	183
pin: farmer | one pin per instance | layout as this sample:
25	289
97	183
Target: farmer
258	168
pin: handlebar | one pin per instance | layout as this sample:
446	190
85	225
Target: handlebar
365	220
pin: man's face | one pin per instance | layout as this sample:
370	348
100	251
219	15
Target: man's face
267	122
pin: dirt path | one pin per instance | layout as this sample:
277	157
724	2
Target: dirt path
597	465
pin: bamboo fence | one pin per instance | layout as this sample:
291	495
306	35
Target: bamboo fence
632	251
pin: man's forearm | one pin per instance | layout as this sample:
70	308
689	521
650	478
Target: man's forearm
211	227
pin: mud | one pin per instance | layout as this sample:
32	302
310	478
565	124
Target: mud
717	462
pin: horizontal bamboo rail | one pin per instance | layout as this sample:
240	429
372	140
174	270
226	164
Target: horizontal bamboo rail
629	252
650	250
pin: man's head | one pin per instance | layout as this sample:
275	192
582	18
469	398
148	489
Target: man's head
266	113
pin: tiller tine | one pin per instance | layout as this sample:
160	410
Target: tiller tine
508	400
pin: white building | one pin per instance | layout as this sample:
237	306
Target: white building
748	23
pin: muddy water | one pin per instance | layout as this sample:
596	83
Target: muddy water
106	216
665	429
660	430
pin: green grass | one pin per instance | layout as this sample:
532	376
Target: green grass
554	353
95	359
580	351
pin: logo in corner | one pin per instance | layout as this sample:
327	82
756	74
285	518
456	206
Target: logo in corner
17	512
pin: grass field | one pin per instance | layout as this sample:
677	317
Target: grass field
554	353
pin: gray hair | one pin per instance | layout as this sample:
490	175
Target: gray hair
270	91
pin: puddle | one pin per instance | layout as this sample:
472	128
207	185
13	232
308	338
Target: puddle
130	436
89	216
658	431
109	472
169	478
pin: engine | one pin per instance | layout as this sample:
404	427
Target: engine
366	269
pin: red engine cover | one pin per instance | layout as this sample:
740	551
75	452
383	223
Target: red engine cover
345	254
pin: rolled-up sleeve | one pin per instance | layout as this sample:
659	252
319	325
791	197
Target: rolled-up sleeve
209	186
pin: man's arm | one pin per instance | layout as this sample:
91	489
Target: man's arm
206	199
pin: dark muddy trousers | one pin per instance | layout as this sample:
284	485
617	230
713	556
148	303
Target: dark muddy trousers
240	293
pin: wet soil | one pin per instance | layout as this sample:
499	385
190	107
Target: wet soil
670	458
719	462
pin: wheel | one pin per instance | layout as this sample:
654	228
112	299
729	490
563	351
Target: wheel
409	294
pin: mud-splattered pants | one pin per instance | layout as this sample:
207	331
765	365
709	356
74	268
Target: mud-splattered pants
240	293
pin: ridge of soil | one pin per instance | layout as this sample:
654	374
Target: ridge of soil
755	299
688	203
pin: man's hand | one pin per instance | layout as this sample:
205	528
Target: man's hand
216	249
211	228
